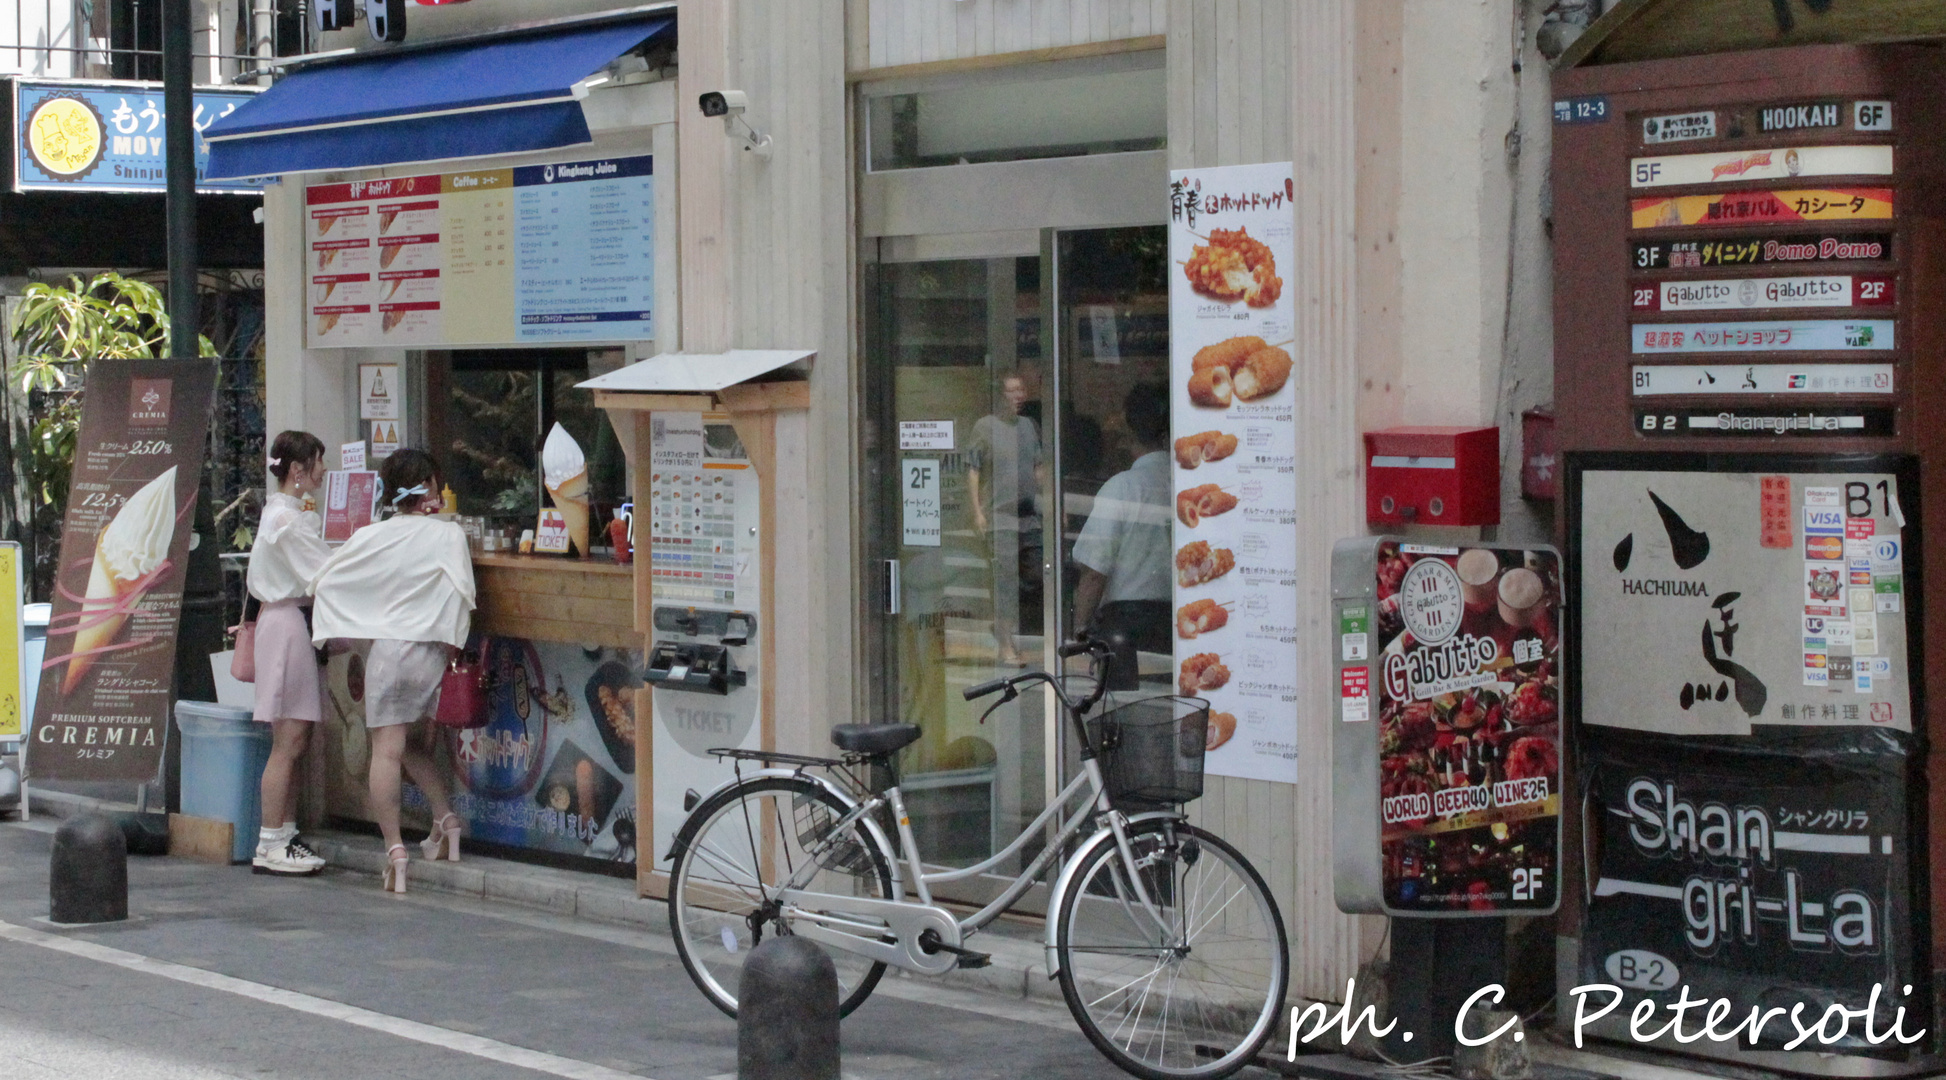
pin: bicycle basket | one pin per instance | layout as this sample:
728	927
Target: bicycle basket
1151	751
814	820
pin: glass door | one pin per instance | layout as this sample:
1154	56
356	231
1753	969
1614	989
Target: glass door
1019	415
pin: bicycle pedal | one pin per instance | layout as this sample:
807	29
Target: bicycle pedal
970	960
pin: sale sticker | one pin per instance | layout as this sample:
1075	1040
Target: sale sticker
1355	694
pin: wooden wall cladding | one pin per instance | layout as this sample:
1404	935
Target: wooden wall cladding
547	599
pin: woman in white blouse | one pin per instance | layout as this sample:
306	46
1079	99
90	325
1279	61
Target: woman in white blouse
288	553
406	585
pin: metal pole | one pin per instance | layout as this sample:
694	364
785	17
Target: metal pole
179	141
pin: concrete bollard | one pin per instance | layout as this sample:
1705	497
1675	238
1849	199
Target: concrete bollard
1505	1058
787	1013
87	880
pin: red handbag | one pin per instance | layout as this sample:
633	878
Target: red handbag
464	693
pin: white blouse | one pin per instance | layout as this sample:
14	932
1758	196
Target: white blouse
289	550
408	578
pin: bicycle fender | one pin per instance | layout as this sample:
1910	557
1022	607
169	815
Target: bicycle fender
844	797
1101	835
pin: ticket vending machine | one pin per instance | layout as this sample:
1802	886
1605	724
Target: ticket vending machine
704	433
1747	384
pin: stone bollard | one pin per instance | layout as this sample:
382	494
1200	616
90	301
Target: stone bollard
1505	1058
787	1013
87	879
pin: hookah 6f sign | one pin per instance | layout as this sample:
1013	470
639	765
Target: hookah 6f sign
1447	746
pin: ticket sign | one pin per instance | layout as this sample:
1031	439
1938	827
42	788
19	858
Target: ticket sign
1722	294
1463	681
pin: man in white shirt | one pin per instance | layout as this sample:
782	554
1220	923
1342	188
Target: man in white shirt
1124	592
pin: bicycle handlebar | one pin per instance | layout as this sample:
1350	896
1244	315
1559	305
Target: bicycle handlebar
984	688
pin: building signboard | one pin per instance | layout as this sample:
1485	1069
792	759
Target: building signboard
107	137
1758	207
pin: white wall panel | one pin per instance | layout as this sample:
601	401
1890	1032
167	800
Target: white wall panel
926	31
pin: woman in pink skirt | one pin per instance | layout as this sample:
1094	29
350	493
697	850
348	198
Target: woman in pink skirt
406	585
287	555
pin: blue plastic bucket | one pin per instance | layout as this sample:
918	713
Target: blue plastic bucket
223	756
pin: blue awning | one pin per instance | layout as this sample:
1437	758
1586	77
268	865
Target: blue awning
498	96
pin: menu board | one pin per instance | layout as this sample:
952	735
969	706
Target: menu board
703	502
541	253
1459	647
1235	449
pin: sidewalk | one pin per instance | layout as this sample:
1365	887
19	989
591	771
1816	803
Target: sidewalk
238	974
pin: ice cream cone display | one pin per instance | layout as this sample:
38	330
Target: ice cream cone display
129	553
565	471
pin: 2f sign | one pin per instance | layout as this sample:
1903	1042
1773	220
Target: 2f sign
919	492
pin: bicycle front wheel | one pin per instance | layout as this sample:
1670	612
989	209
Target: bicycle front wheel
1190	981
733	854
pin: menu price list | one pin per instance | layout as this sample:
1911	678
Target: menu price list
1234	451
561	252
692	535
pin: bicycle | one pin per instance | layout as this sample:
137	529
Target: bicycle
1169	949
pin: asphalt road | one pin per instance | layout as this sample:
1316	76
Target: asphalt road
220	973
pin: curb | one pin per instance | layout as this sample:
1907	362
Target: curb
1019	968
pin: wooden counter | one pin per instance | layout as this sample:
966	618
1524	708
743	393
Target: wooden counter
550	598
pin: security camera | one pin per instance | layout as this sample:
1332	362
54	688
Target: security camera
723	102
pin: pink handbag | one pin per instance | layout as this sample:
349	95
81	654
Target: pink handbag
243	662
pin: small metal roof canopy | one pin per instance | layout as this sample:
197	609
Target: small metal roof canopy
695	373
1633	30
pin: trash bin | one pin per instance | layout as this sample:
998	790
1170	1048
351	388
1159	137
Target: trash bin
33	619
223	756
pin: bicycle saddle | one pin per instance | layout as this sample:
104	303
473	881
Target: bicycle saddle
874	738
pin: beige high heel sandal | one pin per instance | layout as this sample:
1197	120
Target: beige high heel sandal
393	879
443	841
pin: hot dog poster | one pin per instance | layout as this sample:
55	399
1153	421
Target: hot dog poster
1464	665
1232	388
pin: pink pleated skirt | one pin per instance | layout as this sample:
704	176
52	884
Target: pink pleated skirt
288	683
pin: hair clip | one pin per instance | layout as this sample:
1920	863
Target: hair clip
276	461
416	489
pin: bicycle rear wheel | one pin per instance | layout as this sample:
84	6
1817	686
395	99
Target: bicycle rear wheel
733	854
1190	986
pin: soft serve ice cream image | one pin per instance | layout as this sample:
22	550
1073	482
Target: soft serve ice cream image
131	552
565	471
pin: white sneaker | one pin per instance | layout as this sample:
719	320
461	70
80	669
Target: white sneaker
289	858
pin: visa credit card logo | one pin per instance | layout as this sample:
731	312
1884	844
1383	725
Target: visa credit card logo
1825	521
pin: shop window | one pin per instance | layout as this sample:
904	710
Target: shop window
491	410
1106	106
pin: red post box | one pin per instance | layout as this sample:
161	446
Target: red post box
1432	476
